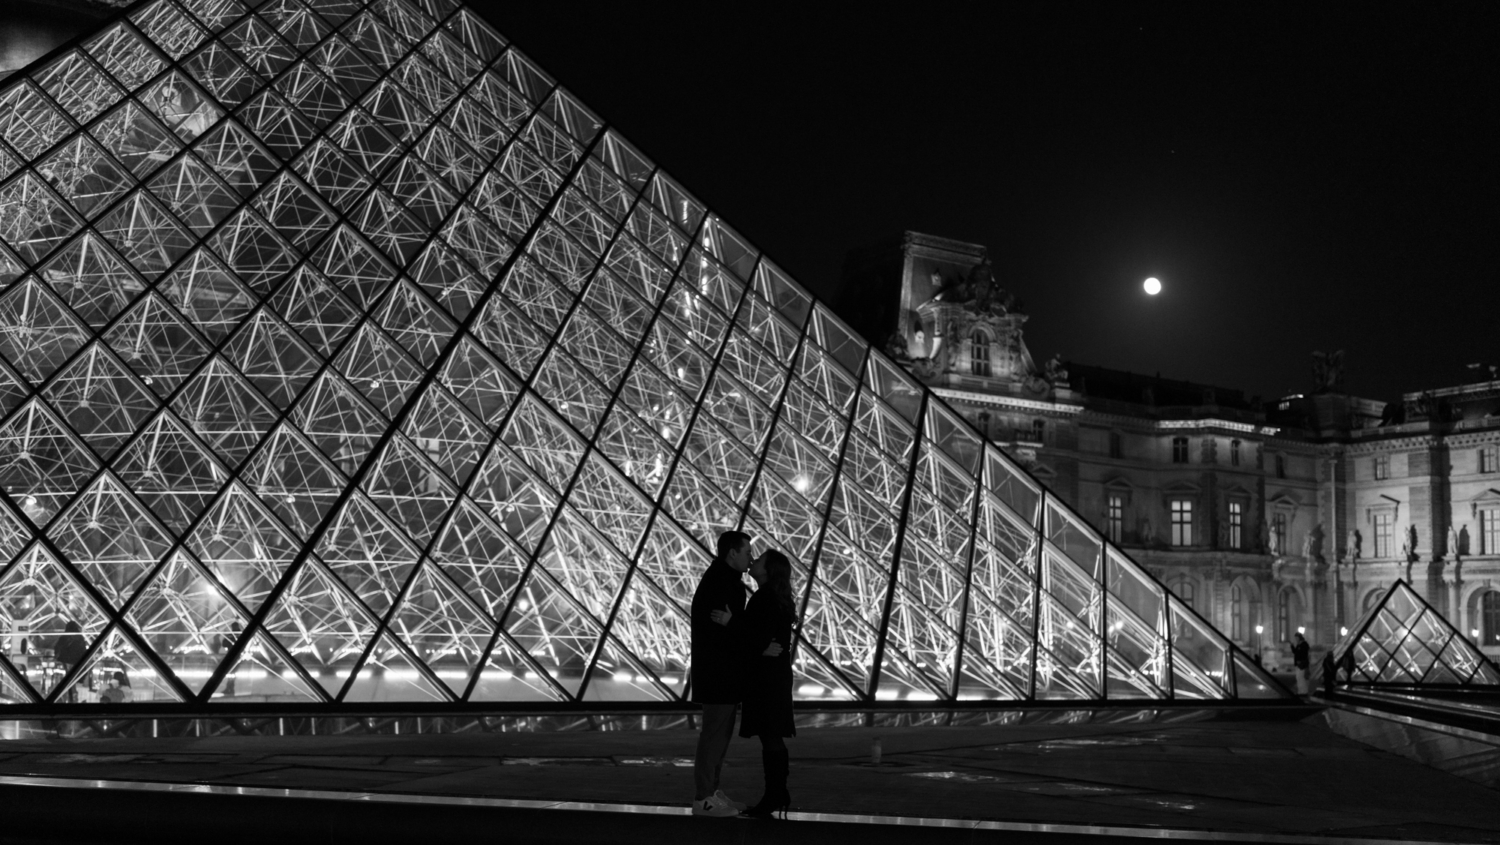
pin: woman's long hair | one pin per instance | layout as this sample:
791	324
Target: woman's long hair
779	581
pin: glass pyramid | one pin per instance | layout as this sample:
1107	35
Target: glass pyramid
345	357
1403	641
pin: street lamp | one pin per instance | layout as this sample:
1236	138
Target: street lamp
1259	629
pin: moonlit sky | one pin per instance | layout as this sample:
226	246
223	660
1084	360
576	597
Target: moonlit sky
1297	178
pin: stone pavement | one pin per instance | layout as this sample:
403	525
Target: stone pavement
1244	779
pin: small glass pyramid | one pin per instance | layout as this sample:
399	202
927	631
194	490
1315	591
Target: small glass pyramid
1403	641
344	356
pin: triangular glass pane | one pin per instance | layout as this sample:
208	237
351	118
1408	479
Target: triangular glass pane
41	598
145	234
354	266
204	291
79	87
258	256
100	399
41	332
119	673
316	309
294	480
339	420
39	220
411	491
224	410
321	625
245	547
417	324
273	357
446	434
554	630
649	627
110	538
193	193
368	553
184	616
156	344
136	138
477	555
264	674
84	174
442	628
619	675
391	674
513	496
510	675
379	369
171	472
43	464
242	162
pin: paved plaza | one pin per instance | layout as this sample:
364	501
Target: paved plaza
1243	779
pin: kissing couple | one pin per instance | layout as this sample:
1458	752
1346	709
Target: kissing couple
742	653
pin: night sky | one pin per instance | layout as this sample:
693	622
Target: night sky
1298	178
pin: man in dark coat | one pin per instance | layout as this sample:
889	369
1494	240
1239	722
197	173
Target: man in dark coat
718	610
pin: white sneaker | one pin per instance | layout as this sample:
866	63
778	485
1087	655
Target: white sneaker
713	808
739	806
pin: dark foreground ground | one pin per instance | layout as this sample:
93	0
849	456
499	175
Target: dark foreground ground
1208	779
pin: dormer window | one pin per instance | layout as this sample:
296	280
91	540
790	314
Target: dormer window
979	353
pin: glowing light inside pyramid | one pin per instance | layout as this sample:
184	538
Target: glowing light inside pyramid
345	357
1404	641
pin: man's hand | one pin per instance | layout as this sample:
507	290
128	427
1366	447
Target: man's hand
721	617
772	650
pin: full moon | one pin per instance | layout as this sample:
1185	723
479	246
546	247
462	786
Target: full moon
1153	286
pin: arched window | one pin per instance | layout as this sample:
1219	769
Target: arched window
979	353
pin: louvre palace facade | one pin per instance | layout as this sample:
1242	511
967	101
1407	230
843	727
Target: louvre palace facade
1267	517
348	360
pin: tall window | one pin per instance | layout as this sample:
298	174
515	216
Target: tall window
1179	450
1278	533
1182	522
1489	531
1234	453
1489	617
1185	591
1489	458
1281	466
1114	518
1284	614
1116	448
1038	428
1236	613
1382	467
1383	535
979	353
1236	524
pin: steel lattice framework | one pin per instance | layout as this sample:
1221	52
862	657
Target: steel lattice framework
1403	641
348	358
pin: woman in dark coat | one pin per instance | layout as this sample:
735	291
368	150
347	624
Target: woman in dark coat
767	635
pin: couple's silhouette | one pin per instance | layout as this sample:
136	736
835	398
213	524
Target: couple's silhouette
742	654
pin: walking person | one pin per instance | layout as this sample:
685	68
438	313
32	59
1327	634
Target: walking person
68	651
1301	662
717	617
767	635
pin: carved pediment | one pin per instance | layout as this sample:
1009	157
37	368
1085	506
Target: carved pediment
1488	498
1282	501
